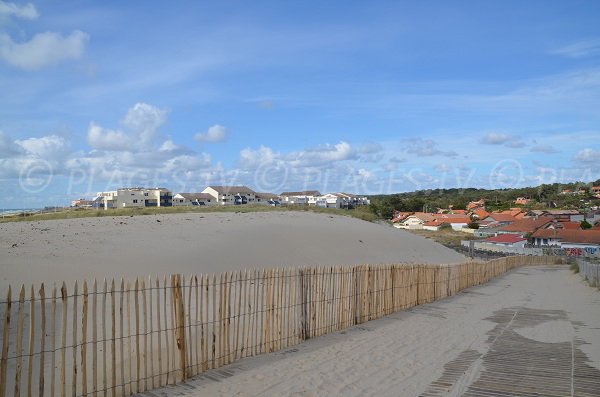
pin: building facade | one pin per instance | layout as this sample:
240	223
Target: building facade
136	197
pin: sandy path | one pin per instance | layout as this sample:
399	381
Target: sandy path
525	332
77	249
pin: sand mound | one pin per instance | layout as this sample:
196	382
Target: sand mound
49	251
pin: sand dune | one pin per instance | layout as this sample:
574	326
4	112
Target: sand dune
53	251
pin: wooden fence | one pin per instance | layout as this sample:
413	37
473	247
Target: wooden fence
116	338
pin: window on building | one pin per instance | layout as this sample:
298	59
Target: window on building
135	201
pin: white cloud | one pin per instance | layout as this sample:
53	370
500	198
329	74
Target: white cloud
216	133
250	158
43	49
588	155
141	123
580	49
27	11
51	147
495	138
105	139
323	154
144	120
427	147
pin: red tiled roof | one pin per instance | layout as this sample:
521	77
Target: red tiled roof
527	225
505	238
570	236
481	213
400	216
569	225
436	222
454	218
502	217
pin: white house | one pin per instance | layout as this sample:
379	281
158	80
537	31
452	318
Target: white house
351	200
231	195
305	197
415	221
189	199
331	200
136	197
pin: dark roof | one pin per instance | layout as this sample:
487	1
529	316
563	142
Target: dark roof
233	189
268	196
196	196
303	193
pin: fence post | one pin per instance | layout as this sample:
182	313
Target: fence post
179	322
303	307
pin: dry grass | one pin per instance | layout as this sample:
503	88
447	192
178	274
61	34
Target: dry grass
447	237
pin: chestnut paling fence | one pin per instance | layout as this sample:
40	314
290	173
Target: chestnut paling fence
117	338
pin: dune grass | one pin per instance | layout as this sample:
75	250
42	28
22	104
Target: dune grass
362	213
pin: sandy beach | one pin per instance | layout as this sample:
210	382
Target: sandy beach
78	249
534	331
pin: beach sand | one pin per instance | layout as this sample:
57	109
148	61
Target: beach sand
86	248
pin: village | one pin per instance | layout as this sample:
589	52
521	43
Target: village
514	231
137	197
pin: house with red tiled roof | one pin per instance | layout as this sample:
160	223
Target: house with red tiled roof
567	238
480	213
525	226
522	201
564	225
400	216
415	220
476	204
456	221
435	225
503	219
506	240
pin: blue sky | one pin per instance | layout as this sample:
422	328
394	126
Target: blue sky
366	97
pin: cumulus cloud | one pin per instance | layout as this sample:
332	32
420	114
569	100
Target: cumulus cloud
144	121
141	123
496	138
106	139
588	155
216	133
27	11
43	49
427	147
51	147
323	154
